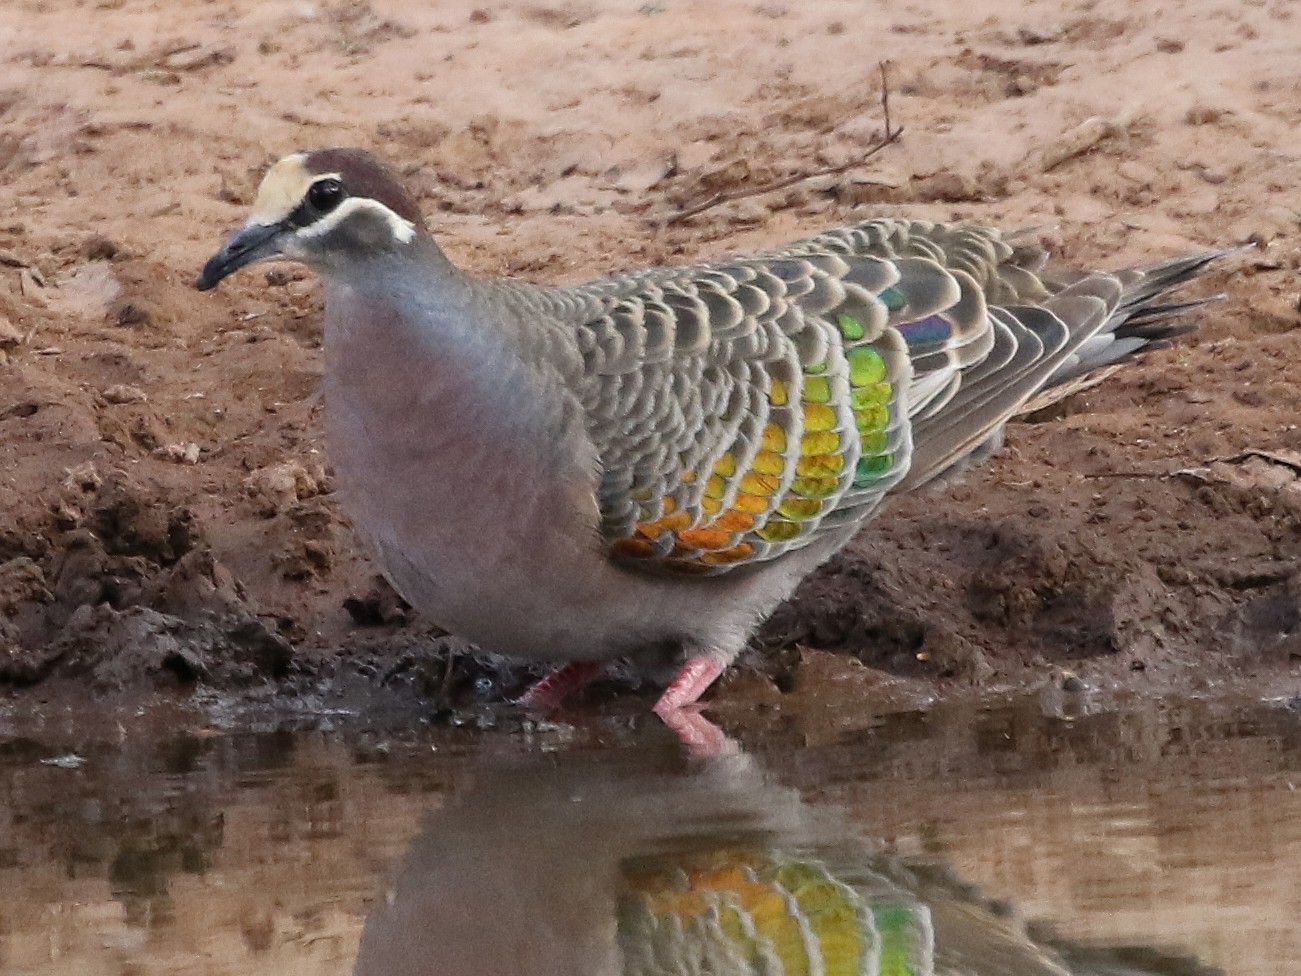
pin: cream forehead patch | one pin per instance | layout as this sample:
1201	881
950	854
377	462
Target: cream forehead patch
282	190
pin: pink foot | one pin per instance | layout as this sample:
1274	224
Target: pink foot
700	736
547	694
689	684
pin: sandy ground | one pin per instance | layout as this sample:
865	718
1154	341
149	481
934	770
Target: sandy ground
166	516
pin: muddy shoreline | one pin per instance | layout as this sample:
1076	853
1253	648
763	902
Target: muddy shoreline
168	522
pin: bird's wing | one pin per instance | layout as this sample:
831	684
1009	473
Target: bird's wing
743	409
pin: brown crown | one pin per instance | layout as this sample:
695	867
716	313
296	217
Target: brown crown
364	175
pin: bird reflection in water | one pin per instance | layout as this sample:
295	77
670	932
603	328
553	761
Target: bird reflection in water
647	862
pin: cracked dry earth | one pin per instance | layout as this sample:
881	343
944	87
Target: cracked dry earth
166	514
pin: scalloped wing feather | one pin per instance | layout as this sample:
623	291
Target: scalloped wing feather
742	409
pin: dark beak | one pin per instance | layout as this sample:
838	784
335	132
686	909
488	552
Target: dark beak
254	242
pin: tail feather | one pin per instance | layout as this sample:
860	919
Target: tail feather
1095	323
1137	325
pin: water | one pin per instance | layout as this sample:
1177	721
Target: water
995	840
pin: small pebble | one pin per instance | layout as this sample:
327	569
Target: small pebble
100	248
1031	36
121	393
1204	115
129	314
84	477
10	337
947	188
179	453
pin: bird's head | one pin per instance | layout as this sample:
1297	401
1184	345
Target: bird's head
324	208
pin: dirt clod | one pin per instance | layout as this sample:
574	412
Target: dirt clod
129	314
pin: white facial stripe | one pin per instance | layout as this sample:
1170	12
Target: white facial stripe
403	230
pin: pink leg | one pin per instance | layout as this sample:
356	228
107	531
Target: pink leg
689	684
548	693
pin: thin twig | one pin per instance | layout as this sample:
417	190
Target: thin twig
150	59
1282	460
1141	475
891	135
885	104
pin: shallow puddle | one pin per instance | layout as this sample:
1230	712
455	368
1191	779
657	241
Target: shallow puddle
962	840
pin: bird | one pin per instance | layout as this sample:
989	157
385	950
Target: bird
644	466
632	862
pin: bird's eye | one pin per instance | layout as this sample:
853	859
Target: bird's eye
325	195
